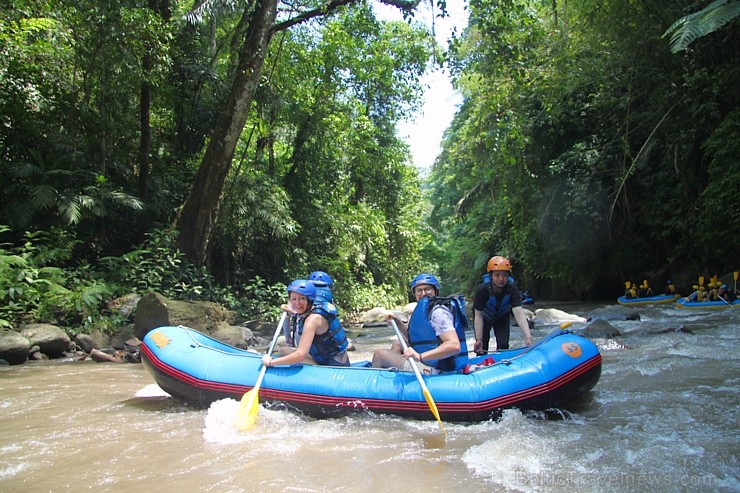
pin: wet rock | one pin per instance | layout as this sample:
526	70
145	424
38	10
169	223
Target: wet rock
668	330
614	314
85	342
125	306
600	329
52	340
14	347
155	310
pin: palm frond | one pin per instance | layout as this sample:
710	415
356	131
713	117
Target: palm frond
693	26
469	199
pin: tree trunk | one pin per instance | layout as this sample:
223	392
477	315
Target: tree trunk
145	139
161	7
197	218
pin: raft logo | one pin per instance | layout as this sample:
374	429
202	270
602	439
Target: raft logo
160	339
571	349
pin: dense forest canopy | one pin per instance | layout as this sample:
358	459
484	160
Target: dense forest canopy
588	152
218	150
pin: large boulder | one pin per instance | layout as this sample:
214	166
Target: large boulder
125	306
51	340
14	347
600	329
154	310
374	316
240	337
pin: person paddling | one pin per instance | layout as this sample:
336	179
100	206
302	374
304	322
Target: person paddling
320	338
434	338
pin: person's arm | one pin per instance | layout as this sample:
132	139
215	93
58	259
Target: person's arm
312	323
521	321
444	327
450	347
478	328
479	303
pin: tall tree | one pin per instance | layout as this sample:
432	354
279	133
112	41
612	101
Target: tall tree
199	213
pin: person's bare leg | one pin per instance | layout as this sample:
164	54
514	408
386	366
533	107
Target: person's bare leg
388	358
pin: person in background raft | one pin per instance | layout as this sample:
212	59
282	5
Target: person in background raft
695	294
493	305
320	338
433	338
670	288
630	291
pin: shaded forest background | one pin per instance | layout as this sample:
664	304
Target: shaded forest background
218	150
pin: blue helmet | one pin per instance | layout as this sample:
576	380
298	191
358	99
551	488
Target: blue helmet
303	287
321	278
425	279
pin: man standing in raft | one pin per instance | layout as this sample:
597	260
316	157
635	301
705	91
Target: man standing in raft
493	305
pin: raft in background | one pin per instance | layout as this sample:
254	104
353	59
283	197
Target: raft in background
199	370
706	305
648	300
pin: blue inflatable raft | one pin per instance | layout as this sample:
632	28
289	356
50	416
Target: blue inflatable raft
648	300
199	370
707	305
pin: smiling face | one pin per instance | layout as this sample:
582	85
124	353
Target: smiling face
298	302
422	290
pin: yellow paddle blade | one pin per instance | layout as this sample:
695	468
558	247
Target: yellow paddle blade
246	417
433	407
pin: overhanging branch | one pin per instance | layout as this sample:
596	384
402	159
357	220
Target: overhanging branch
335	4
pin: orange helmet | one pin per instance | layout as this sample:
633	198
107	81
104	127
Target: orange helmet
499	263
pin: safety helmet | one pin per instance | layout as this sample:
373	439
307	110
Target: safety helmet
321	278
669	282
303	287
425	279
499	263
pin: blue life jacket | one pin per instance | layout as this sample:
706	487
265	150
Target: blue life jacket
323	295
332	342
423	338
495	308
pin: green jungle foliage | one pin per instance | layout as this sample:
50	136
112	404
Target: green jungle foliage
584	150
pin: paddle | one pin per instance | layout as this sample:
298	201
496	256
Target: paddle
424	389
734	276
246	416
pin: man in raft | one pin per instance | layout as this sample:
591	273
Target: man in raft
435	335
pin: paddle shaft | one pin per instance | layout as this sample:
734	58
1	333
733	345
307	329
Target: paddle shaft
249	405
424	389
271	348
